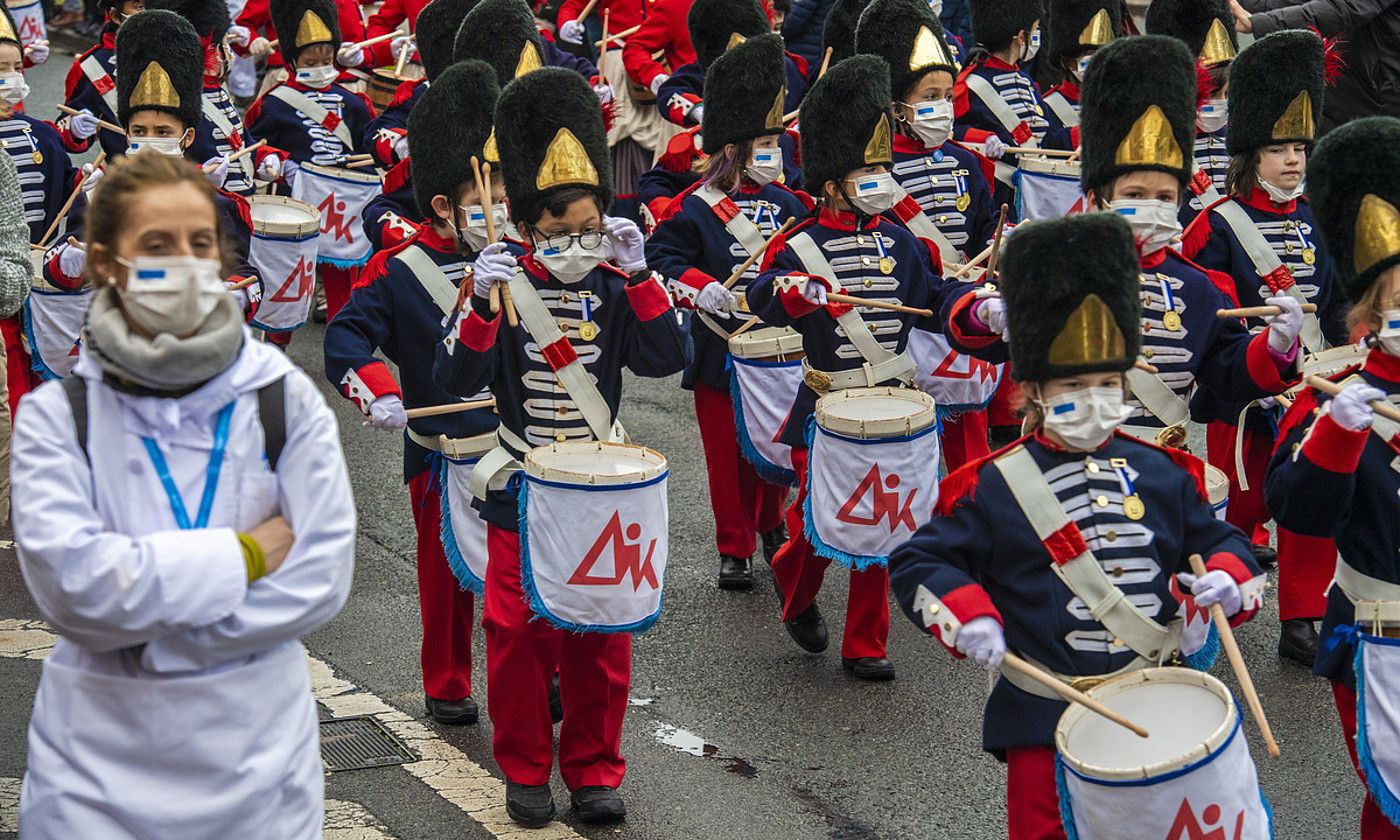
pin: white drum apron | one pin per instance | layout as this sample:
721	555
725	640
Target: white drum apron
1046	188
872	472
1192	778
957	383
463	529
593	541
29	20
340	195
1377	666
53	323
765	371
283	252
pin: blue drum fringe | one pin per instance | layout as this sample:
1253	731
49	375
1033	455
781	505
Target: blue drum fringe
532	593
355	263
35	360
1375	783
767	470
1062	795
455	561
859	562
1204	659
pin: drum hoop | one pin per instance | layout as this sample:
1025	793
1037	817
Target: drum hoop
909	426
340	173
1183	763
307	228
1223	482
1050	166
765	343
539	472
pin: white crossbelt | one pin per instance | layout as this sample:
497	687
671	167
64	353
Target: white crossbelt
100	78
923	227
1065	111
991	97
744	231
1157	397
315	112
1266	262
214	115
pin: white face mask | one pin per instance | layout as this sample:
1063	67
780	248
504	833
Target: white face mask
13	88
765	166
937	7
1212	115
165	145
473	235
572	265
1389	335
1155	223
933	121
1280	195
1083	66
1033	47
872	194
319	78
1085	418
171	294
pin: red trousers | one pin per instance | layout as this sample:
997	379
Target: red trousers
965	438
444	607
1032	803
1374	825
1305	568
337	283
1247	510
522	654
744	504
799	572
20	377
1001	411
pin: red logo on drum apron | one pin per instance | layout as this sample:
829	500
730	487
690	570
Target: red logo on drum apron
298	282
882	503
975	368
1187	827
627	558
334	219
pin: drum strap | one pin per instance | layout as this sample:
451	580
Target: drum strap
1268	266
1155	395
1075	565
909	211
317	113
101	81
737	225
990	97
1063	110
431	277
1374	600
1202	185
235	137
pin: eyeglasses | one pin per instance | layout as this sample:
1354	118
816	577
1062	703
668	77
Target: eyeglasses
558	243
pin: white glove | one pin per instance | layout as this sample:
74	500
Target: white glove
260	47
397	45
244	297
37	52
290	168
350	55
494	265
814	292
72	259
219	173
91	176
604	91
992	311
627	243
715	299
658	82
698	114
240	35
982	639
571	31
401	147
1351	409
386	414
271	168
994	148
1211	588
1287	325
83	124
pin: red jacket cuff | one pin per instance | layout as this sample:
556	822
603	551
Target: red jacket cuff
369	383
944	617
686	288
648	299
790	293
476	333
977	135
1333	448
965	327
1251	585
1262	367
57	274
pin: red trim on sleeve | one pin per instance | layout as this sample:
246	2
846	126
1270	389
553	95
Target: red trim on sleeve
1074	136
648	299
1224	561
793	301
379	380
1065	544
695	278
63	279
476	333
963	329
970	601
559	354
1332	447
1262	367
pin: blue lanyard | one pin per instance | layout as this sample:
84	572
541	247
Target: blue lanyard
1124	482
1167	297
211	476
880	244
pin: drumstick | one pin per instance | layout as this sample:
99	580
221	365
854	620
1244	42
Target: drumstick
752	258
1327	386
1076	154
1283	401
378	39
1071	694
238	155
606	14
359	164
450	408
746	326
1030	150
836	297
996	244
499	292
68	205
1144	366
1258	311
100	123
587	10
243	284
403	59
973	263
1232	650
617	36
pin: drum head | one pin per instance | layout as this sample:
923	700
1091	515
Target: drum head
591	462
1189	714
876	412
279	216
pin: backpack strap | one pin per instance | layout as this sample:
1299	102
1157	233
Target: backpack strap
75	388
272	414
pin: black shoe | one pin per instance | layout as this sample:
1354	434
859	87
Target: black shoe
319	313
872	668
530	806
452	712
734	573
1297	640
556	704
597	804
772	541
1265	556
809	630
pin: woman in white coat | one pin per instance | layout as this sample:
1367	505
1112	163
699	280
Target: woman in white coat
177	567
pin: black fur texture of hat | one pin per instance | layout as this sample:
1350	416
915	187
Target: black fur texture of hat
209	17
1266	83
1124	81
1067	22
1190	21
169	41
893	30
996	22
839	115
287	16
839	29
447	127
744	93
501	33
1049	271
541	110
1353	174
436	33
713	23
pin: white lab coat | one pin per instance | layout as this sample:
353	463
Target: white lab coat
177	703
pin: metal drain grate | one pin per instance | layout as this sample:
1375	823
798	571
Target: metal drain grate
358	742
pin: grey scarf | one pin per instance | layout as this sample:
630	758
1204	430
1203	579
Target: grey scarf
162	363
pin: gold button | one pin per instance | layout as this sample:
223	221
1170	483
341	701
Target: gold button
860	240
1118	643
942	220
1101	501
561	437
869	282
1117	571
563	297
563	409
1147	353
1092	467
865	261
933	609
1288	225
948	628
940	199
1288	247
1111	536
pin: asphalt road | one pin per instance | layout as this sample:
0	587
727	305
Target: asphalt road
733	731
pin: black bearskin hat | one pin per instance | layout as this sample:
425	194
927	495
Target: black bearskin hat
1138	110
1354	189
1275	93
436	33
449	126
160	67
301	23
996	22
744	93
1078	26
714	23
907	35
209	17
1071	287
845	121
1206	26
502	34
549	130
839	30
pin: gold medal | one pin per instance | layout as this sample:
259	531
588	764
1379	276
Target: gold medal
1133	507
964	200
886	265
1309	255
587	330
1171	320
37	157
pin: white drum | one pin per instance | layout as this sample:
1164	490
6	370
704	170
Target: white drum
1046	187
1192	778
593	540
283	252
463	531
765	371
1217	490
1377	666
340	195
53	324
872	475
957	383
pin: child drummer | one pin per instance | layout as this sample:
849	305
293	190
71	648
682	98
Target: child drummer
1076	29
1026	543
551	388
